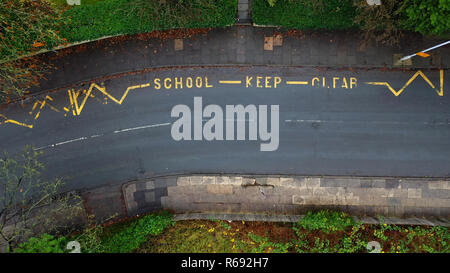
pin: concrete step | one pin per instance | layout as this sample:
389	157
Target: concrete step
244	13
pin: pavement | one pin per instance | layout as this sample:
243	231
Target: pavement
344	110
234	46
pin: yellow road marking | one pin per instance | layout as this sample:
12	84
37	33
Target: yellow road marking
79	107
231	82
418	73
296	82
7	120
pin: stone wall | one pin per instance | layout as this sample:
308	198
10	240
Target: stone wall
402	197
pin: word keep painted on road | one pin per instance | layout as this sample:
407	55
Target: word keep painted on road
77	100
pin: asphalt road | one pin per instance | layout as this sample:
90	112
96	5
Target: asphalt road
325	129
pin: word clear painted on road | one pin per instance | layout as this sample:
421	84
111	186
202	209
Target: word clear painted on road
77	100
235	116
335	82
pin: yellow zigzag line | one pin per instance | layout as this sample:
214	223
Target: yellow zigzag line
78	108
418	73
73	96
42	103
6	120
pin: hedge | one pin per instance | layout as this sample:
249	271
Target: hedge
305	14
112	17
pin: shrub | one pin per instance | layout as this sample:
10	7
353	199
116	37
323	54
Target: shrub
384	23
46	243
127	237
114	17
271	2
327	221
429	16
305	14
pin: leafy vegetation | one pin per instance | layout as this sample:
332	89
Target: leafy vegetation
326	221
45	243
428	16
385	23
30	204
122	237
26	27
305	14
129	237
320	232
114	17
30	26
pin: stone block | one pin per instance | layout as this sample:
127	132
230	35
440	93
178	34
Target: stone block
149	197
179	190
196	180
248	181
275	181
439	185
312	182
236	180
414	193
178	44
183	181
149	185
268	43
219	189
278	40
396	60
209	180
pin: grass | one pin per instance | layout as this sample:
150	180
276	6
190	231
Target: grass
305	14
320	232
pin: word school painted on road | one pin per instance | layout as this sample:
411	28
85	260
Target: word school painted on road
180	83
213	128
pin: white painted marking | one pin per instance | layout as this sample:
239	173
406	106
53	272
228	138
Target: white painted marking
70	141
142	127
302	120
100	135
41	148
230	119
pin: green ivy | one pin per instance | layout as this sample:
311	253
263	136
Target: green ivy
325	220
46	243
135	233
